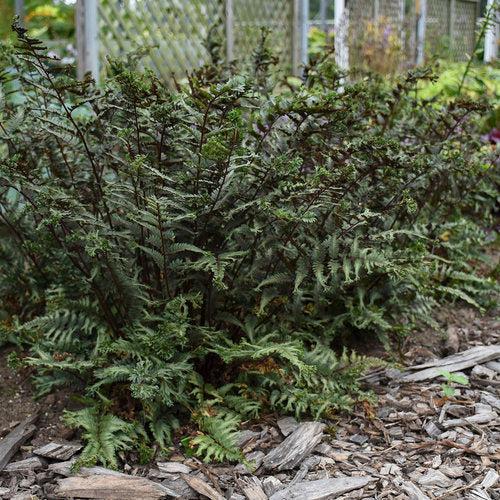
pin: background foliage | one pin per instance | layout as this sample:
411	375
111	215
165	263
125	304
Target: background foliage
52	20
204	253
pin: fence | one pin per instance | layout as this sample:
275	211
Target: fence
385	33
177	36
451	26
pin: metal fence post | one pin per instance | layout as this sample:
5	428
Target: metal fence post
322	15
229	30
491	36
341	29
20	12
87	38
304	31
421	25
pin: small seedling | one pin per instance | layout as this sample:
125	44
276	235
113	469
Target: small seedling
452	378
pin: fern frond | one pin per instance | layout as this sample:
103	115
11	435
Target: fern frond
218	439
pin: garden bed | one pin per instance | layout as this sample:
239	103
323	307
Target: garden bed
407	445
193	265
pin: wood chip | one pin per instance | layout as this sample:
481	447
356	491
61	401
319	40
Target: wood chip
358	439
62	468
478	494
181	488
295	447
479	418
27	465
480	371
287	425
254	460
467	359
245	437
202	487
65	469
58	451
453	472
271	485
321	489
494	365
452	343
491	400
111	488
252	489
13	441
434	478
413	491
432	429
490	479
173	468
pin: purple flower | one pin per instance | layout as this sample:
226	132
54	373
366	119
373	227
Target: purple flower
493	137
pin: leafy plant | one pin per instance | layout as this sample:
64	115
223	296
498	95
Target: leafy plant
489	21
106	435
318	42
202	253
379	48
452	378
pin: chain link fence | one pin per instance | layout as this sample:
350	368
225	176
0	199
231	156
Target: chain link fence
451	27
383	34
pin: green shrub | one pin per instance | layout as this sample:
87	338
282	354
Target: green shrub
482	81
198	253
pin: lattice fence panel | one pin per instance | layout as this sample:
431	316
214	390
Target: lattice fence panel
274	16
172	34
455	40
392	14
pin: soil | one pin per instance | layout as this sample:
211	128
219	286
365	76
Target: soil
17	401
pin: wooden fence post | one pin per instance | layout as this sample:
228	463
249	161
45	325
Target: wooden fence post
421	26
87	38
229	30
491	36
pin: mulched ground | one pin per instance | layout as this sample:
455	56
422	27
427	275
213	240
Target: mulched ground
409	446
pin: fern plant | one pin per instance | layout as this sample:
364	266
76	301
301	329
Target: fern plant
106	435
201	253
